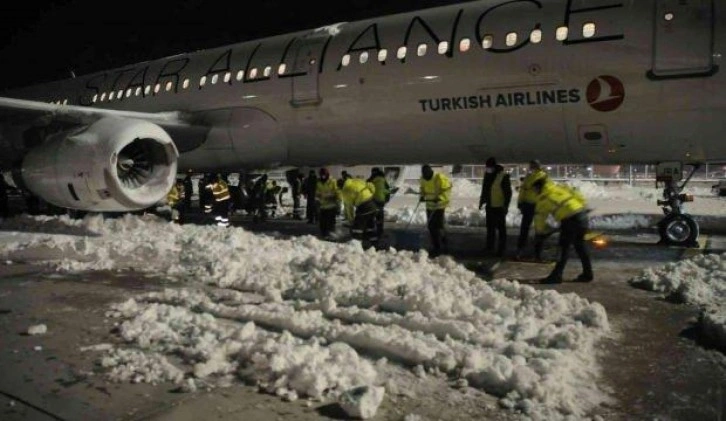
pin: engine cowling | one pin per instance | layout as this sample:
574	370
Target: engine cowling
111	165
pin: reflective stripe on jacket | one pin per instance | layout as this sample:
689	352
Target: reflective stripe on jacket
436	192
355	192
558	200
526	192
220	191
326	192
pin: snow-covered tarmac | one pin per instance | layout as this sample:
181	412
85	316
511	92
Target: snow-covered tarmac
198	308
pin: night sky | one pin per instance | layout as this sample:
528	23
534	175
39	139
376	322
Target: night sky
44	40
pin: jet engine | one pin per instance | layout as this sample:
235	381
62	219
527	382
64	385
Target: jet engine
111	165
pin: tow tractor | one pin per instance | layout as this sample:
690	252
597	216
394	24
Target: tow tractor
677	227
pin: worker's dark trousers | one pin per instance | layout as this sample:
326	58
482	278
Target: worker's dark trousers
3	206
380	216
437	230
296	209
497	226
364	223
572	232
311	211
527	210
327	221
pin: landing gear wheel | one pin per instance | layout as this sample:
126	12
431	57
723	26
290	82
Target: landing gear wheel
678	230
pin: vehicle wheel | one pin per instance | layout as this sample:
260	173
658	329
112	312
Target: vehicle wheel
679	230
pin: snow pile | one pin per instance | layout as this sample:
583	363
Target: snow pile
620	222
37	330
463	188
699	281
465	216
306	318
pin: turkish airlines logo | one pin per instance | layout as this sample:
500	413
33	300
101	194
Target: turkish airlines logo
606	93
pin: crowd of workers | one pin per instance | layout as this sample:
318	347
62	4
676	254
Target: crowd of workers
363	203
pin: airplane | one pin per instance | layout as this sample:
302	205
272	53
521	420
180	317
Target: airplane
567	81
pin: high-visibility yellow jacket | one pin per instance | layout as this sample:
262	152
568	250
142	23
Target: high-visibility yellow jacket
220	191
526	192
326	192
355	192
173	197
558	200
436	192
383	190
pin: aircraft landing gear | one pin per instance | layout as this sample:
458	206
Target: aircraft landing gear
677	228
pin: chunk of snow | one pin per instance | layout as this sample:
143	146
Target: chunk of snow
362	402
699	281
37	330
98	347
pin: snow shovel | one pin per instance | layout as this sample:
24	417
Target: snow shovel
406	239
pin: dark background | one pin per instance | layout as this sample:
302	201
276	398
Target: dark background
43	40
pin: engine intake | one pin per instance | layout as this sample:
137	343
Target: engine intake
111	165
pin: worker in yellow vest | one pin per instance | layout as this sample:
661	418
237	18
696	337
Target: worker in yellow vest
173	199
360	209
526	204
569	208
435	191
381	196
496	194
326	195
220	192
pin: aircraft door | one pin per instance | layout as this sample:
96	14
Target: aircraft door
305	71
683	43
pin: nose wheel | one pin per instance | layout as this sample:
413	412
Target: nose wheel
679	230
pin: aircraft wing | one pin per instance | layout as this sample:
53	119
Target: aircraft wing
40	111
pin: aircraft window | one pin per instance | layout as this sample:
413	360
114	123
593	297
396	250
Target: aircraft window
282	69
129	92
103	96
120	94
157	88
169	85
147	90
382	55
511	39
138	91
185	85
202	81
464	45
421	51
536	36
346	60
268	71
669	16
487	42
562	32
65	102
253	73
111	96
95	97
401	54
588	30
240	75
227	77
363	57
215	78
443	47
